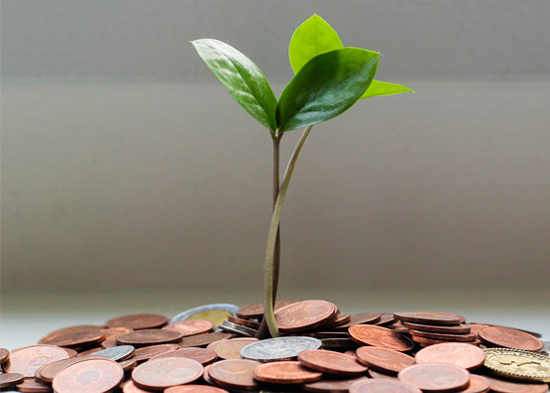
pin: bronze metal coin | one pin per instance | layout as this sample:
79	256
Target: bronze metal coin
509	338
337	344
286	372
71	337
231	349
237	329
128	364
138	321
130	387
380	385
463	355
304	315
478	384
245	322
378	375
430	318
379	336
195	389
508	386
435	377
326	385
444	336
110	343
341	319
91	351
362	318
460	329
90	375
202	340
10	379
70	351
114	332
118	353
33	385
234	374
202	355
386	319
146	353
4	355
331	362
48	372
27	360
384	360
476	327
192	327
256	310
424	342
145	337
163	373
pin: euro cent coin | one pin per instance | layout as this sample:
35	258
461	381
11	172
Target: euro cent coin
91	375
279	348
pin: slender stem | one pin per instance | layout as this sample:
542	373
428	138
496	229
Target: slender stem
269	315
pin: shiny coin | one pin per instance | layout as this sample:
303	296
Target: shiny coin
279	348
237	329
256	310
10	379
71	337
384	360
430	318
478	384
70	351
463	355
234	374
285	372
121	352
231	349
216	313
202	355
29	359
145	337
460	329
305	315
509	386
91	375
517	364
146	353
130	387
49	371
202	340
326	385
331	362
114	332
509	338
4	355
443	336
195	389
190	328
382	386
163	373
435	377
138	321
379	336
363	318
33	385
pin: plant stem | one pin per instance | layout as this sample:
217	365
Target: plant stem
270	267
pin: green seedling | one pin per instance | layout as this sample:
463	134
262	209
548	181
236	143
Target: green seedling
329	79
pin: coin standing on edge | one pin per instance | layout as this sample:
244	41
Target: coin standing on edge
90	375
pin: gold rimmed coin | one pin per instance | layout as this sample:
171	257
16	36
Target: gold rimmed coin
90	375
163	373
27	360
463	355
379	336
286	372
384	360
331	362
518	364
509	338
305	315
191	327
500	385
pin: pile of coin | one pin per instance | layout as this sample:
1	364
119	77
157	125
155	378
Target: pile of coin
213	349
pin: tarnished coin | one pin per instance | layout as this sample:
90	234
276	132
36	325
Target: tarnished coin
256	310
27	360
4	355
245	322
382	386
435	377
379	336
469	337
90	375
463	355
478	384
234	374
518	364
202	355
163	373
430	318
216	313
119	353
378	375
138	321
305	315
460	329
145	337
202	340
285	372
362	318
337	344
279	348
71	337
49	371
237	329
384	360
509	386
33	385
331	362
333	385
10	379
190	328
146	353
195	389
509	338
386	319
231	349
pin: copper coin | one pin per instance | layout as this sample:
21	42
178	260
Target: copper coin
476	327
202	340
379	336
382	386
130	387
331	362
256	310
110	343
138	321
286	372
424	342
202	355
478	384
334	334
386	319
114	332
73	337
362	318
383	359
90	375
91	351
189	328
331	385
128	364
341	319
378	375
29	359
10	379
48	372
33	385
460	329
145	337
510	338
70	351
443	336
162	373
4	355
234	374
146	353
508	386
195	389
463	355
304	315
435	377
429	318
245	322
231	349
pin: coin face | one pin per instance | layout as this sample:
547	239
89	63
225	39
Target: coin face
435	377
300	316
138	321
234	374
382	386
49	371
510	338
144	337
90	375
285	372
29	359
73	337
517	364
162	373
383	359
145	353
467	356
279	348
231	349
189	328
216	313
379	336
331	362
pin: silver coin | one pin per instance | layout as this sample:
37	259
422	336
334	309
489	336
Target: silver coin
217	306
238	329
118	353
279	348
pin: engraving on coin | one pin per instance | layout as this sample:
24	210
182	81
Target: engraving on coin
304	315
382	386
285	372
162	373
510	338
463	355
510	386
384	360
49	371
280	348
379	336
518	364
331	362
234	374
27	360
435	377
90	375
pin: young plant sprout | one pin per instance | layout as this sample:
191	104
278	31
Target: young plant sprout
329	79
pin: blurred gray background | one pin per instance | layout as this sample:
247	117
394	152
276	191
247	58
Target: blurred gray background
126	166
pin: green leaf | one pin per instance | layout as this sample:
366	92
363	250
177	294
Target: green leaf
242	78
312	38
326	86
378	88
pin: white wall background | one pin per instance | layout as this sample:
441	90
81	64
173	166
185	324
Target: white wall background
125	164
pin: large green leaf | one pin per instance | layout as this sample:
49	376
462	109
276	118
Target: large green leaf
378	88
311	38
242	78
325	87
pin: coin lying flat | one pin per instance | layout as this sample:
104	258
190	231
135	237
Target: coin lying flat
33	385
465	337
10	379
435	377
138	321
202	355
326	385
234	374
378	375
430	318
463	355
237	329
478	384
331	362
195	389
118	353
49	371
509	386
146	353
362	318
460	329
510	338
202	340
379	336
382	386
189	328
90	375
27	360
279	348
517	364
130	387
163	373
145	337
231	349
256	310
74	336
384	360
216	313
285	372
304	315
